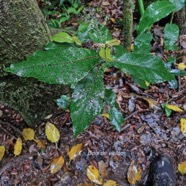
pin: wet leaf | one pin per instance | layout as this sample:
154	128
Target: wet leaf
174	108
28	134
134	173
181	66
62	37
94	175
51	132
2	152
110	183
75	151
56	164
18	147
183	126
182	167
105	53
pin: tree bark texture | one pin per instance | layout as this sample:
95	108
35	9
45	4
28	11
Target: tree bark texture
22	31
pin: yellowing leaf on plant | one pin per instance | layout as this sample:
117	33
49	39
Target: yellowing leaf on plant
181	66
2	152
40	144
56	164
147	83
94	175
105	115
174	108
134	173
18	147
75	151
183	126
62	37
105	53
110	183
28	134
76	40
182	167
51	132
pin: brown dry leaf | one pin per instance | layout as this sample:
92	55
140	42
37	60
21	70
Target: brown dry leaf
152	103
18	147
28	134
183	126
182	167
174	108
75	151
94	175
40	144
134	173
51	132
2	152
103	168
110	183
57	164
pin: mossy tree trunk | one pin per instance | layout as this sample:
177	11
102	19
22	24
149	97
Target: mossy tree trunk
23	30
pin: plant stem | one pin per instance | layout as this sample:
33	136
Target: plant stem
141	7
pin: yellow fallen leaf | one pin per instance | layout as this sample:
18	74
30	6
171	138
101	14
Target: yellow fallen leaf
40	144
182	167
56	164
174	108
75	151
18	147
2	152
113	20
181	66
183	126
94	175
110	183
51	132
134	173
152	103
28	134
106	115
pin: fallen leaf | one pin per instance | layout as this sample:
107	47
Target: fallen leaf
183	126
94	175
18	147
40	144
105	115
103	168
2	152
152	103
134	173
182	167
174	108
56	164
28	134
181	66
75	151
51	132
110	183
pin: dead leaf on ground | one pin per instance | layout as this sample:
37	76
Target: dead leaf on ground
57	164
18	147
174	108
28	134
2	152
182	167
183	126
75	151
52	133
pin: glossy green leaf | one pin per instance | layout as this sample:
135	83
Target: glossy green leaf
63	102
154	13
171	33
178	4
142	43
87	101
62	37
93	31
110	97
60	64
143	68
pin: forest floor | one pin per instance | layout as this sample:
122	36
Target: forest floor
147	131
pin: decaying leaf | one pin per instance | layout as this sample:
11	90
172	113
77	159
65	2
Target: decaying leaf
28	134
18	147
174	108
182	167
52	133
183	126
134	173
40	144
110	183
75	151
2	152
94	175
57	164
152	103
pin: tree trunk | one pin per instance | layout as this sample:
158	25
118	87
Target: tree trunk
22	31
